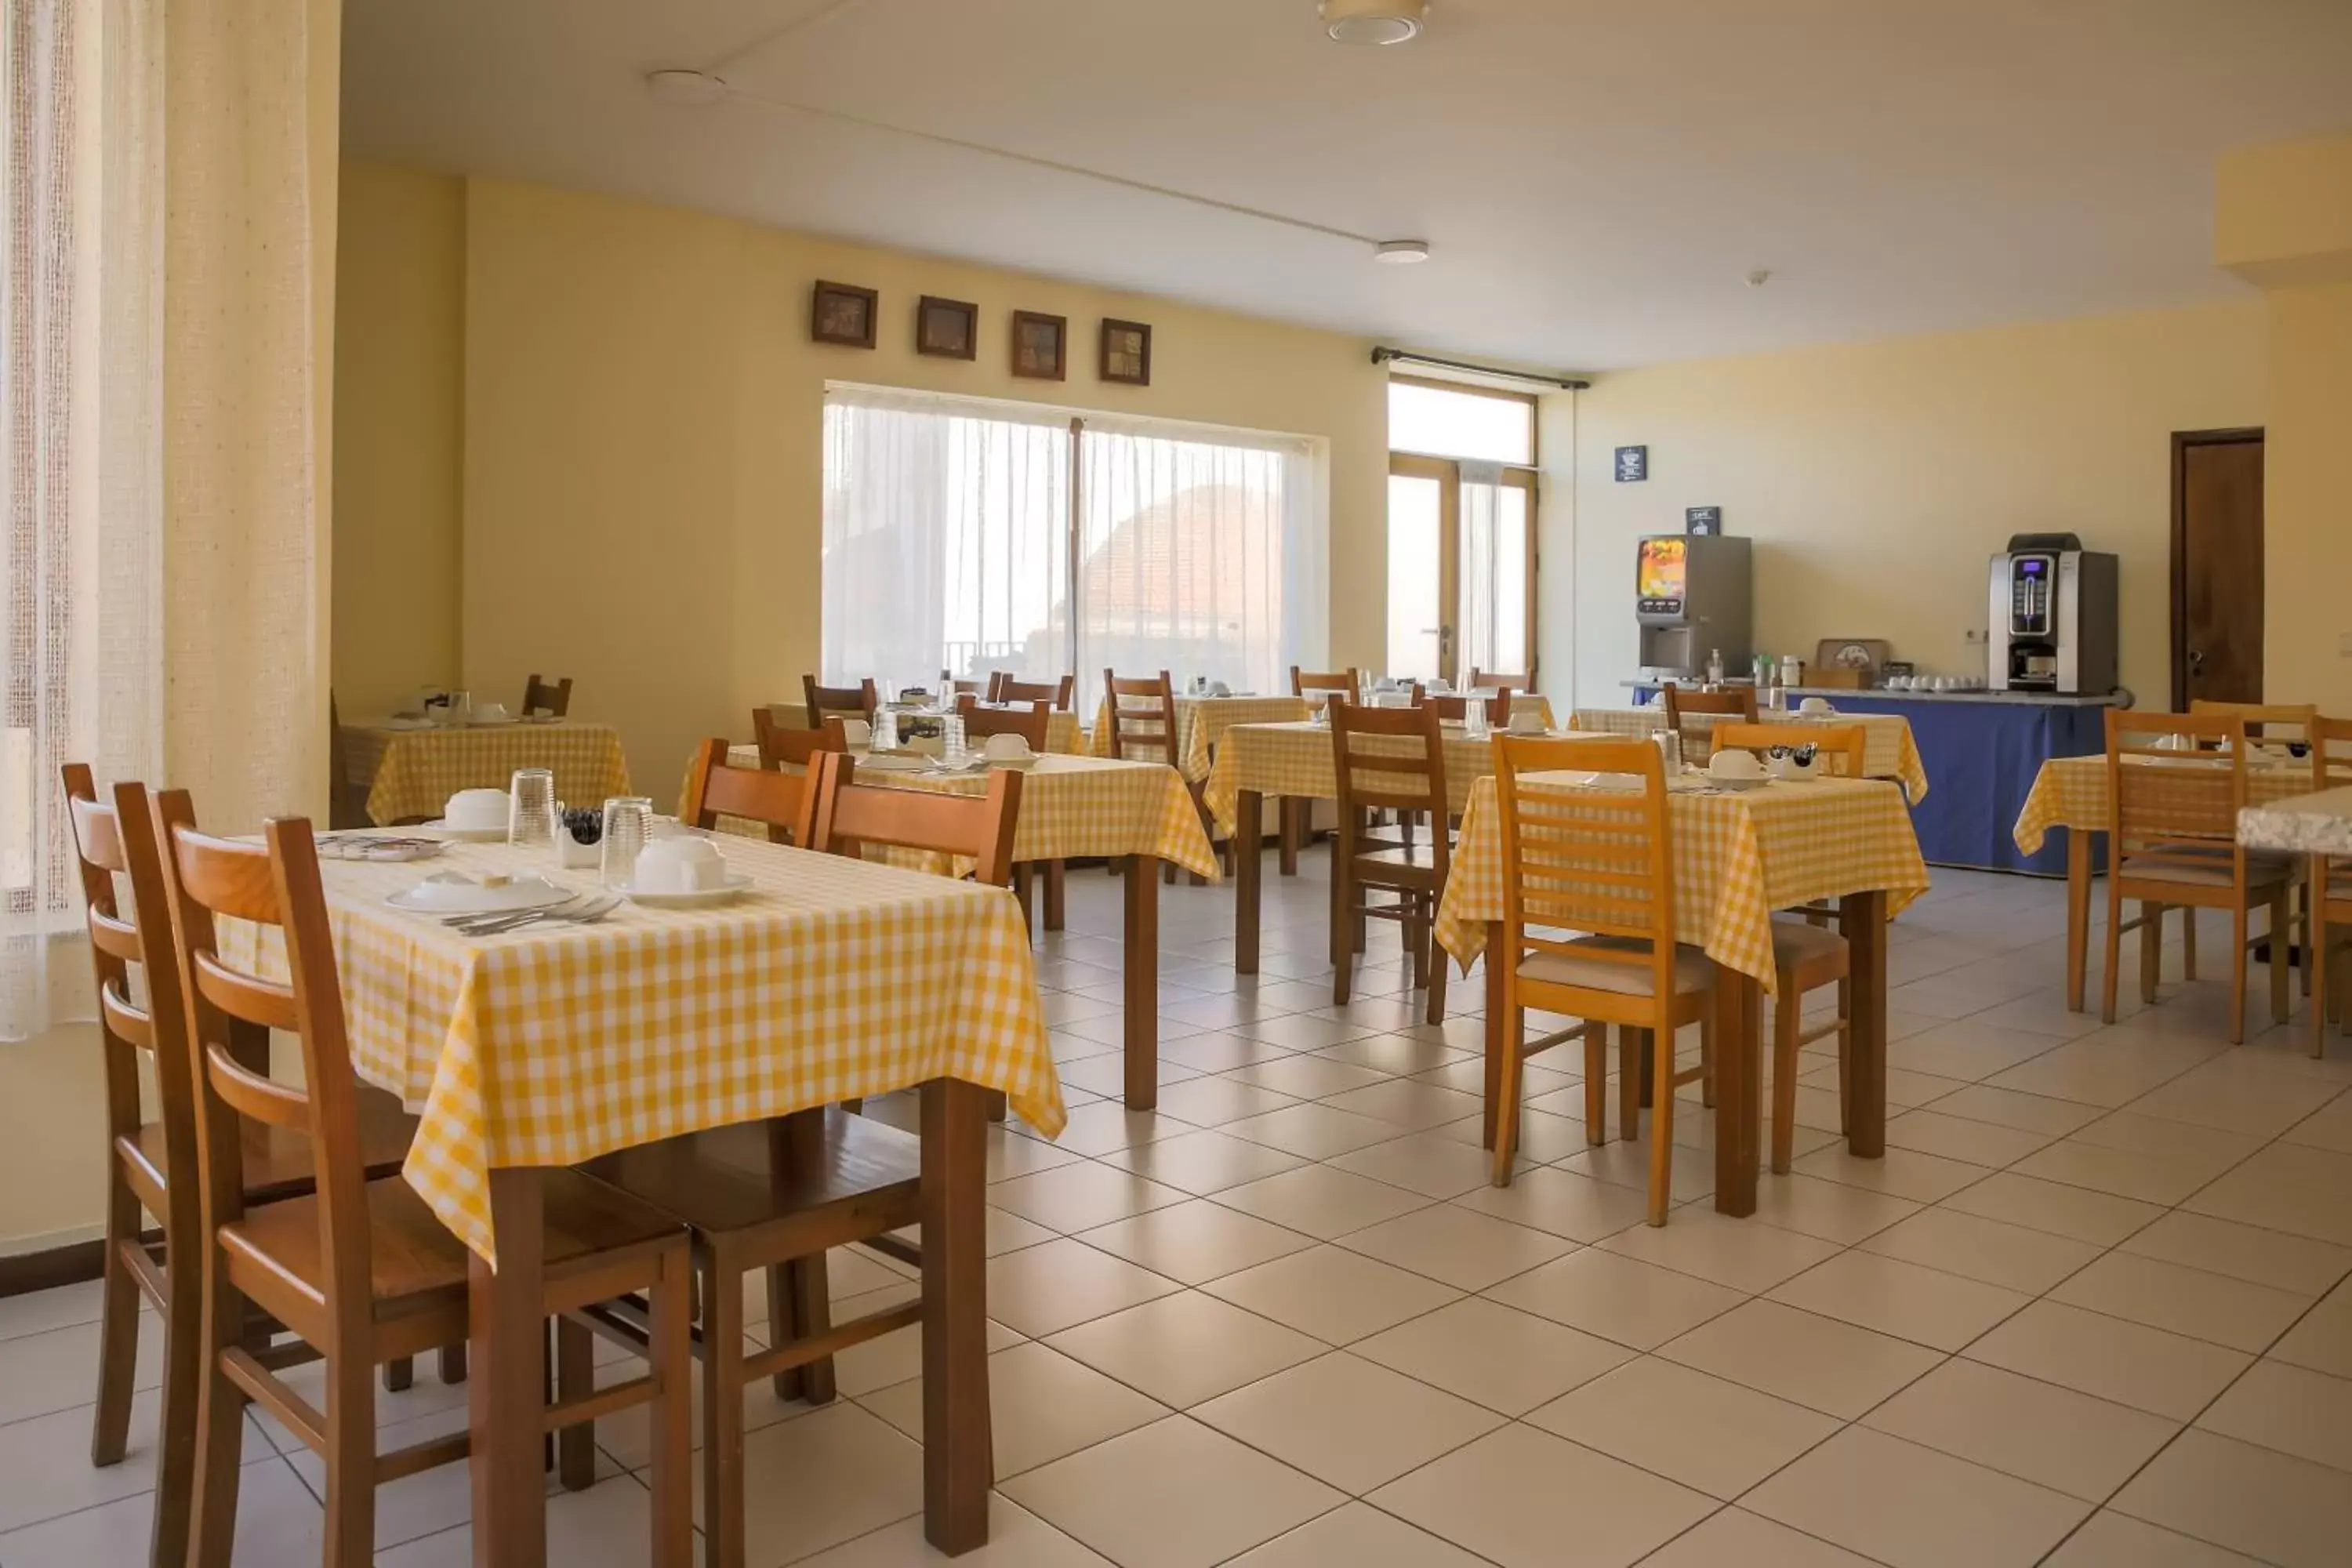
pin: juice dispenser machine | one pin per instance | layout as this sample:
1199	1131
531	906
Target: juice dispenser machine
2053	623
1692	598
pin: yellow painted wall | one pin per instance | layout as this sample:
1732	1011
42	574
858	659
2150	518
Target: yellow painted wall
2307	500
1877	478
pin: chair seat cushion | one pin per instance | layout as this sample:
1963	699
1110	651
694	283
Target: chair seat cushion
1797	943
2206	870
755	1174
1692	973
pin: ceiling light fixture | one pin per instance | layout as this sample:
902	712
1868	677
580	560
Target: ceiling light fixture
1400	252
1374	21
684	89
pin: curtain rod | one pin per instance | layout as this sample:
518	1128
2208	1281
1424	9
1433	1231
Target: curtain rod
1402	356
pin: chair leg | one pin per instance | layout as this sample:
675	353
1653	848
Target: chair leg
2189	941
1596	1083
2281	932
1024	895
1439	962
117	1335
220	1427
1661	1123
2238	976
184	1360
1629	1045
1343	896
1416	953
452	1360
671	1416
2114	954
2315	969
399	1374
1507	1111
722	1410
351	1460
1054	904
809	1296
575	1378
2151	949
1707	1069
1788	1014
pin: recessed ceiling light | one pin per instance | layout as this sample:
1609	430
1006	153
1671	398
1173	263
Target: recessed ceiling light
1400	252
1374	21
684	89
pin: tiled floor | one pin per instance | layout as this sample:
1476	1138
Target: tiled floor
2091	1308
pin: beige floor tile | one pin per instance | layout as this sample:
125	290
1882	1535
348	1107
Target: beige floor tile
1348	1421
2322	1340
1923	1305
1175	1494
1297	1032
1313	1130
2183	1300
1625	1162
1462	1248
2285	1188
1309	1076
1543	1138
1730	1252
2251	1500
1903	1173
1914	1507
1079	1197
1986	1249
1561	1202
2128	1129
1751	1540
1619	1299
1357	1536
1203	1163
1976	1143
1819	1362
1336	1295
278	1522
1321	1202
2272	1258
607	1526
1106	1125
1042	1404
2329	1127
1186	1348
1219	1053
1397	1055
2159	1179
826	1477
2289	1408
2009	1108
2100	1219
1195	1241
1106	1075
1429	1163
45	1469
1499	1357
2264	1102
1016	1539
1408	1103
1830	1211
2021	1426
2110	1359
1967	1049
1519	1496
57	1370
2112	1540
1215	1101
1040	1290
1717	1436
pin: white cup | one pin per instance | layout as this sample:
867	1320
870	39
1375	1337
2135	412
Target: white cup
490	713
681	865
1815	705
1006	748
857	732
476	808
1734	764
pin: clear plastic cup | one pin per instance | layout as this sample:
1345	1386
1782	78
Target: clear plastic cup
628	828
531	808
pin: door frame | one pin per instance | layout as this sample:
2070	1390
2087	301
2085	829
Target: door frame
2182	440
1447	473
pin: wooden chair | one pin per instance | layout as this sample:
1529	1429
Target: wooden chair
151	1166
1030	722
1306	683
849	701
1455	708
361	1270
775	1196
1482	679
1601	863
2172	842
986	686
551	695
784	747
2272	723
715	787
1843	747
1143	718
1733	701
1056	694
1385	771
2328	911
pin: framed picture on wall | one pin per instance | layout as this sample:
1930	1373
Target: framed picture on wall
1126	353
947	328
1041	346
1632	465
843	313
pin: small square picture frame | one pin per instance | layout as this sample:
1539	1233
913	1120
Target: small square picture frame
1041	346
1632	465
1125	353
843	314
947	328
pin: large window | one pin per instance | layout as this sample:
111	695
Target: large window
1462	546
970	536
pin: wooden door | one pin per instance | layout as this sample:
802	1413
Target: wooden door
2217	567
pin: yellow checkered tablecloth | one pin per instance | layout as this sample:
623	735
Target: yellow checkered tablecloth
1889	752
1071	808
1063	736
1738	856
410	775
1199	721
1296	761
2071	791
830	978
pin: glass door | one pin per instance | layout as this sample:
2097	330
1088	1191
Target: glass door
1461	568
1424	503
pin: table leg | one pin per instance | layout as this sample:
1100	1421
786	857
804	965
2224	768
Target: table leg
1497	1021
1054	895
504	1393
1291	816
1739	1090
1861	919
1141	963
1248	869
958	1455
2078	912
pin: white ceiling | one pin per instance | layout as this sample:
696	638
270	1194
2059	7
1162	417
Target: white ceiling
1596	177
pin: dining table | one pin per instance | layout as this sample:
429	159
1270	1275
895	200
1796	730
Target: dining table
1739	856
1889	751
827	978
410	768
2072	793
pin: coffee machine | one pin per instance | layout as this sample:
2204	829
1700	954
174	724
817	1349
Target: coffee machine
1692	598
2051	617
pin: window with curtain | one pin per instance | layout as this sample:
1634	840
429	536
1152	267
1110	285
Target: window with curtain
1462	489
951	526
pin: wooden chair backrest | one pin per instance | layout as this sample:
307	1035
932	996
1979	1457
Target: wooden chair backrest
555	696
274	883
2272	721
1484	678
1374	771
782	746
1030	723
1844	746
1342	682
979	828
950	686
715	787
2174	803
1056	694
2331	752
856	701
1142	715
1738	701
1600	861
1457	706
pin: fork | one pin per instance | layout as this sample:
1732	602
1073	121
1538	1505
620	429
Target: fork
584	911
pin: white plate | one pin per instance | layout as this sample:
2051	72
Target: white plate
738	883
539	719
893	762
408	724
490	723
467	835
450	894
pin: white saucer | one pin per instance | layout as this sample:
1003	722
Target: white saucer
409	724
737	884
460	895
1019	765
491	724
467	835
893	762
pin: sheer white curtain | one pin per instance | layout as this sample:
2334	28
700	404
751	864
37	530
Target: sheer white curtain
80	673
1493	572
946	538
1200	553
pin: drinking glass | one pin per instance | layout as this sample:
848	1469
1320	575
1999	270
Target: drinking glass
530	808
1474	719
884	737
1670	752
628	827
459	709
951	737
